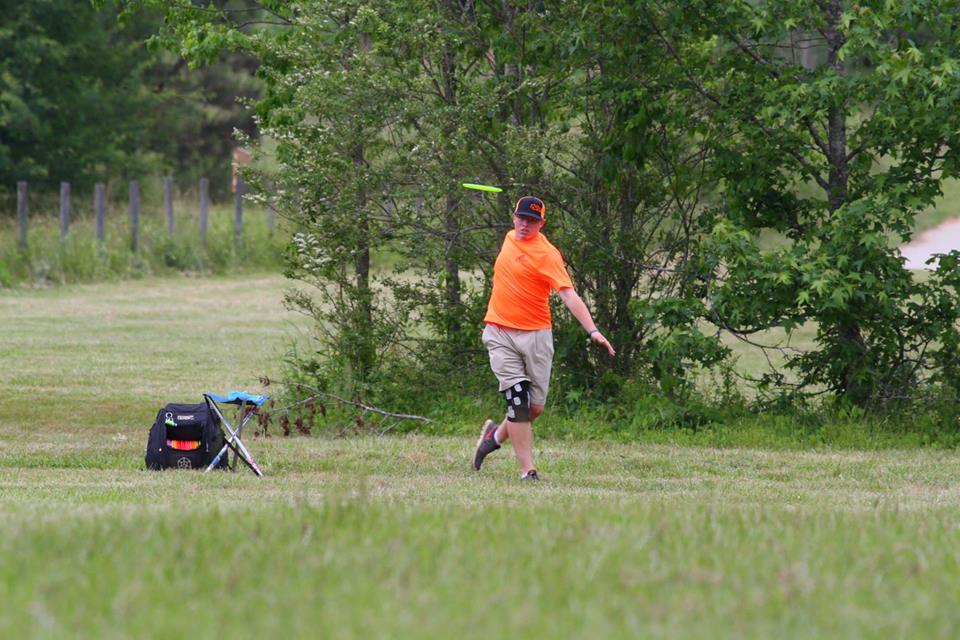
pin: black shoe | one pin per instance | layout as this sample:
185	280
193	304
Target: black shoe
487	443
530	475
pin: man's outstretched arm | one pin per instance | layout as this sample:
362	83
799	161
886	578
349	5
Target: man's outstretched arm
578	308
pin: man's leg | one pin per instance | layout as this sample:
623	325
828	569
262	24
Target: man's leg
521	436
510	351
503	434
537	350
506	362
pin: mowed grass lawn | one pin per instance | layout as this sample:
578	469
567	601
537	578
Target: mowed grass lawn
396	537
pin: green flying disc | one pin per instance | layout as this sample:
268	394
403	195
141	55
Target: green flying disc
482	187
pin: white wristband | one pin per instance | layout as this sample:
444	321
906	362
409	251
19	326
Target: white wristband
593	331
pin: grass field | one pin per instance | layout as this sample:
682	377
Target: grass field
396	537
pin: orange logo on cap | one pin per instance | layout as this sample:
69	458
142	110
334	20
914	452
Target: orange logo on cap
536	207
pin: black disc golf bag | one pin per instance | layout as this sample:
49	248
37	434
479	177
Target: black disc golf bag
184	436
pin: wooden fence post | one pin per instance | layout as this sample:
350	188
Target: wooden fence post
168	203
238	213
100	209
64	209
204	209
135	216
22	212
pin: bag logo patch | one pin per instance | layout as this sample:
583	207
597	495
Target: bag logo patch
184	417
184	463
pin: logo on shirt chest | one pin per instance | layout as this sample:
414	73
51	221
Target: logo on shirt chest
521	259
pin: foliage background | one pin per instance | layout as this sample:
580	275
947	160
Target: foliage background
671	142
83	100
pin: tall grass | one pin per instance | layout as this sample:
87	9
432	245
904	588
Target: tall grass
80	257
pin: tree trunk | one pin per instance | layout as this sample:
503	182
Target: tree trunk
364	320
513	70
452	229
625	280
452	268
837	126
848	330
362	260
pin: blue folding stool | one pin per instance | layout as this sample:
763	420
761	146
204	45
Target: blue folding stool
243	400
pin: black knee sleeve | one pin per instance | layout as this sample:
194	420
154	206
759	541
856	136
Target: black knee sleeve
518	402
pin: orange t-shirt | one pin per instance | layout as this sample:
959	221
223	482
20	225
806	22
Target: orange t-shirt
523	275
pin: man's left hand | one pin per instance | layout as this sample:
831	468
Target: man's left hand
599	339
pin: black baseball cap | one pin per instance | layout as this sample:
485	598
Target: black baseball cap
531	207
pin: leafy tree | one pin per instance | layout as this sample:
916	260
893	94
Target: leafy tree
568	101
404	99
198	115
71	96
628	178
668	135
83	99
420	79
373	142
473	99
834	128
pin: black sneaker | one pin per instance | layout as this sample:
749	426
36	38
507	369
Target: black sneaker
487	443
530	475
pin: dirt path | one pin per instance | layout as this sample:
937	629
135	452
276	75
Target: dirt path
941	239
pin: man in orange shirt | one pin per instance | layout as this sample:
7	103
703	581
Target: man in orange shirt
519	331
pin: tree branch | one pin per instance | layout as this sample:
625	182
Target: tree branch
323	394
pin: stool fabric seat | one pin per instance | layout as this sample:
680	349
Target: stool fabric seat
239	397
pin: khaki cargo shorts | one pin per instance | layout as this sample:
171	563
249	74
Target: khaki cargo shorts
517	355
